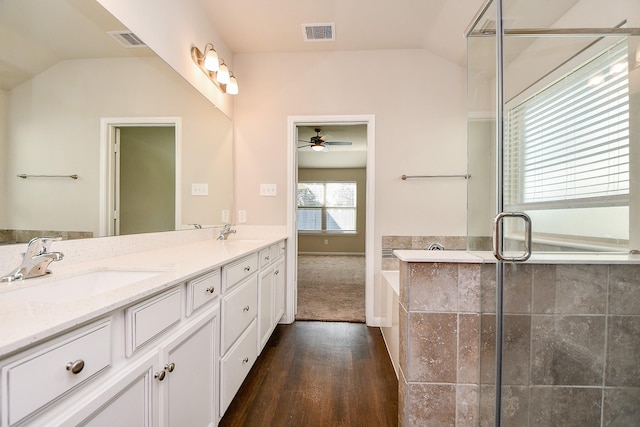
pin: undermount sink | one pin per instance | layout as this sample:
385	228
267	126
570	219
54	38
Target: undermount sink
77	287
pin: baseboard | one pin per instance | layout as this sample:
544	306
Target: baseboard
332	253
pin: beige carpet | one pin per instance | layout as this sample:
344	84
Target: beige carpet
331	288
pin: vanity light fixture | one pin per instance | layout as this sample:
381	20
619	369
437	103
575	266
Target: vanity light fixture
215	68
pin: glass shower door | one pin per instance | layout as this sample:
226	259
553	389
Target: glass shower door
554	110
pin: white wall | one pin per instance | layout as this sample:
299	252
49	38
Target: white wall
171	28
418	100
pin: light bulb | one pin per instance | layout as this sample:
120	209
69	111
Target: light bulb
317	147
223	74
211	62
232	86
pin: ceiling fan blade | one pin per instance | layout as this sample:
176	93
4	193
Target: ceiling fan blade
307	145
337	143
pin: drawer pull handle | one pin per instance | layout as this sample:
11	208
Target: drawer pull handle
246	308
170	367
247	268
160	375
210	290
245	360
75	367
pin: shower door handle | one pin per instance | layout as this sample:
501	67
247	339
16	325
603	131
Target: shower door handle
498	236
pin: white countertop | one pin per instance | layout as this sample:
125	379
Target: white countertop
25	322
485	257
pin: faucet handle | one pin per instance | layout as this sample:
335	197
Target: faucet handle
40	245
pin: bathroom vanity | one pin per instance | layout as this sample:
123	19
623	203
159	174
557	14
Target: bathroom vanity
153	338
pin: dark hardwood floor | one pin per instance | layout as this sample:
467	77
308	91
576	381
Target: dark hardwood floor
319	374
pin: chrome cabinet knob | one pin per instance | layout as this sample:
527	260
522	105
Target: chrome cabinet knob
246	308
160	375
170	367
210	290
245	360
75	367
247	268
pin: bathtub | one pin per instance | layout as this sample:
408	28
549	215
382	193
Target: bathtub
390	328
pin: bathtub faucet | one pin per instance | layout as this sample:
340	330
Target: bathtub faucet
36	260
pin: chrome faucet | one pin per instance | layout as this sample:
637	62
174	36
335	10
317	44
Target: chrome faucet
226	230
36	260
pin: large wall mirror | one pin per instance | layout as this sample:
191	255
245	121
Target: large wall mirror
69	88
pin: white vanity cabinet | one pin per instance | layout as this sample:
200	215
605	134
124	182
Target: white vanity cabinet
169	359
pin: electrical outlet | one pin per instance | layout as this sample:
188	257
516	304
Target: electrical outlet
242	216
269	190
225	217
200	189
326	241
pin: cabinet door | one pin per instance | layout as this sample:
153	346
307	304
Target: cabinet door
188	387
265	306
279	295
130	406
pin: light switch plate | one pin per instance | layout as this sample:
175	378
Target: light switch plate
225	217
200	189
242	216
269	190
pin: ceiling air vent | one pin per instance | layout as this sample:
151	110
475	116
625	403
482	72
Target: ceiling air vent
127	38
319	32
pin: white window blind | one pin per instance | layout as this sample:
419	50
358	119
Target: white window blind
327	206
569	144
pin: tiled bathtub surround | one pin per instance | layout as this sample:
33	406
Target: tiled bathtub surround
571	344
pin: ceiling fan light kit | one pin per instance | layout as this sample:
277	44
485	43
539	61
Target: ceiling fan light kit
319	143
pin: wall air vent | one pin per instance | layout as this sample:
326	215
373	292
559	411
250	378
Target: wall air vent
127	38
319	32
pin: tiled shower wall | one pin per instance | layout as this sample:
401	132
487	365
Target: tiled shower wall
572	344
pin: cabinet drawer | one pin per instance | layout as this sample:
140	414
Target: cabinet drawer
234	273
265	257
239	308
235	366
146	320
202	290
40	378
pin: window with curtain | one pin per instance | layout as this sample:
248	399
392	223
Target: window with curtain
568	146
327	207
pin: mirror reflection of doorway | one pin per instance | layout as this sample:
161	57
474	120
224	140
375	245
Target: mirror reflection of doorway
145	179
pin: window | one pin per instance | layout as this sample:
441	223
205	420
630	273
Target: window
568	146
327	206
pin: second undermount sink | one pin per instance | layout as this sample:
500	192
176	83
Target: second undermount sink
77	287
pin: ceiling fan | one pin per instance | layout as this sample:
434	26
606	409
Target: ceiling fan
318	143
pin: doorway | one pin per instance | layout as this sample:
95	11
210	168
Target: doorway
323	240
140	178
331	222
